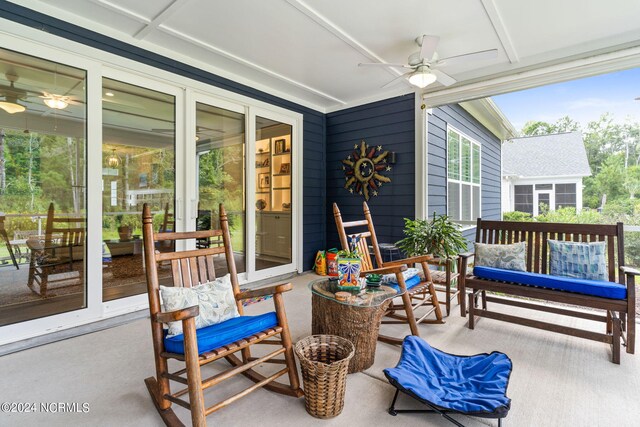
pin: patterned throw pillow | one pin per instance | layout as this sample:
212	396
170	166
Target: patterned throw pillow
578	260
507	257
215	299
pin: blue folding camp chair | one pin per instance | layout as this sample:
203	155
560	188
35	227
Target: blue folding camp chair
447	383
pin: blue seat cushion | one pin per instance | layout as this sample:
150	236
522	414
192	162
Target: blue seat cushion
579	286
475	385
410	283
214	336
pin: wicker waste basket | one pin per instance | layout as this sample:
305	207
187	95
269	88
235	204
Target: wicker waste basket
324	360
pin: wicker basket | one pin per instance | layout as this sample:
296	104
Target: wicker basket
324	360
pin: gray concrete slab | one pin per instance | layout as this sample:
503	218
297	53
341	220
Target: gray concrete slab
557	380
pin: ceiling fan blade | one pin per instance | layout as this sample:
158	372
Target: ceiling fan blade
383	64
428	47
444	78
396	80
475	56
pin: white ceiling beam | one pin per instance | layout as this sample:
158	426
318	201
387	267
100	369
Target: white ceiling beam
501	30
338	32
160	18
534	77
122	10
224	53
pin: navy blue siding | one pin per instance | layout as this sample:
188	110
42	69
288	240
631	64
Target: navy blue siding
314	122
456	116
390	123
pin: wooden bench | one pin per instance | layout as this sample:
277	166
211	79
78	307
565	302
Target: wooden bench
617	314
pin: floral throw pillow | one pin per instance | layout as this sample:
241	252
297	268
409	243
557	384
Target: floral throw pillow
215	299
507	257
578	260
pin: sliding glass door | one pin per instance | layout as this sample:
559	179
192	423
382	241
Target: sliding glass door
243	159
220	178
273	184
43	206
139	166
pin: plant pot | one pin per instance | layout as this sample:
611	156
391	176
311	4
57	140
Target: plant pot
349	271
125	232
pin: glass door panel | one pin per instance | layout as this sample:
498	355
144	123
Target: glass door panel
138	152
220	160
273	193
544	202
42	188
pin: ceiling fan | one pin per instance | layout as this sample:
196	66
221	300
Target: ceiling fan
12	95
424	64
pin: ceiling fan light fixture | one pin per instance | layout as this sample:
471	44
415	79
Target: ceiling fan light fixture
422	77
113	160
57	102
11	105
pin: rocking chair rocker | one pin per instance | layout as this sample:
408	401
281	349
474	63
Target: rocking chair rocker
197	348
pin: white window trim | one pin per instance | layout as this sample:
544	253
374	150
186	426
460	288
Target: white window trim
578	181
460	182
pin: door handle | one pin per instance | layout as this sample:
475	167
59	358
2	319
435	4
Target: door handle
194	208
179	208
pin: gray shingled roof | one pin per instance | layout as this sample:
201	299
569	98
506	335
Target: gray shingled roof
559	154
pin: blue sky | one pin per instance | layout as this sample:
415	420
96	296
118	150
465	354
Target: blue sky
583	100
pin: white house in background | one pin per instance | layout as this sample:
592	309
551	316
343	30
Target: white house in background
543	170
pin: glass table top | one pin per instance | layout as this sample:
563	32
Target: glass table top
367	297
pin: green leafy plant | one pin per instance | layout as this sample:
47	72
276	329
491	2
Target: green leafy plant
439	237
517	216
352	252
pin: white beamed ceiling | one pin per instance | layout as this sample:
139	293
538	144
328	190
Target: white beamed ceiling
308	51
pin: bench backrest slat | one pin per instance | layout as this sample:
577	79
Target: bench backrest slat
537	234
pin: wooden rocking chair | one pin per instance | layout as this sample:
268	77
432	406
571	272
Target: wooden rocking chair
190	268
5	237
59	252
422	295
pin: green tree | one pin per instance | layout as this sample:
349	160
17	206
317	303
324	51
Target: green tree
563	124
632	180
611	177
603	138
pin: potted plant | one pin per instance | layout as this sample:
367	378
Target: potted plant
349	264
439	237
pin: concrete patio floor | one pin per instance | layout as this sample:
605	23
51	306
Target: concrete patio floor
556	380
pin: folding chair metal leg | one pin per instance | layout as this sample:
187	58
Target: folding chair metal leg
393	411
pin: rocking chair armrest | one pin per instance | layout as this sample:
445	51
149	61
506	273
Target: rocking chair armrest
387	269
174	316
261	292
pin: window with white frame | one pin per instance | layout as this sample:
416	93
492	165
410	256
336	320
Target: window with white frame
463	173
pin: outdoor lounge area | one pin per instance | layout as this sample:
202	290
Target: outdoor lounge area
307	212
556	380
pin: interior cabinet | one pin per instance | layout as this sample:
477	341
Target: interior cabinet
274	234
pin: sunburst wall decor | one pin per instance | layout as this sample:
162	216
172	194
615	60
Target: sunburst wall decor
363	170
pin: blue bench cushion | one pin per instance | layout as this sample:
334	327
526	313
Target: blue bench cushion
475	385
410	283
214	336
580	286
